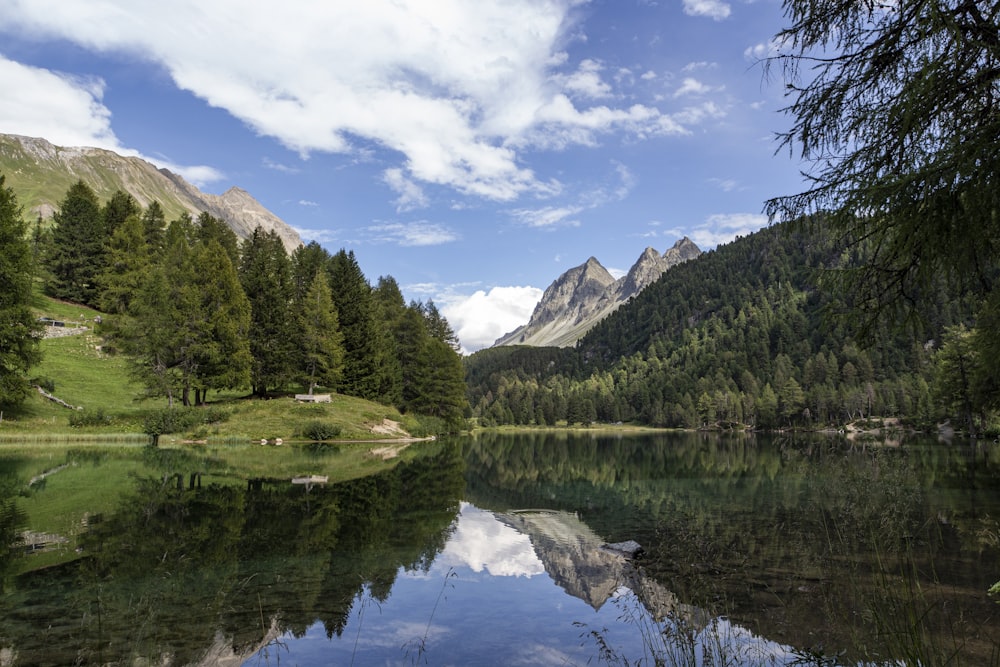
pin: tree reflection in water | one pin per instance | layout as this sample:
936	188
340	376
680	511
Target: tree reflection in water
815	544
183	575
870	552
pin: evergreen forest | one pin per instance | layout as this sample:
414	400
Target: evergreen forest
196	310
754	334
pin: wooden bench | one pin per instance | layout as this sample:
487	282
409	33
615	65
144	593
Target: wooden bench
313	398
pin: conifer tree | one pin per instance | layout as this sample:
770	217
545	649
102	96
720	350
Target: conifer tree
306	261
321	342
265	272
391	309
222	349
117	210
208	227
128	259
365	350
154	222
78	245
18	328
151	336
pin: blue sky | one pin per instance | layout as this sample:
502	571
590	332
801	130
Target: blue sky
472	149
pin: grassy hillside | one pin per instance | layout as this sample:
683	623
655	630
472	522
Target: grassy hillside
80	373
40	180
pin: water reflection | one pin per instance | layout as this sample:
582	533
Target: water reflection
489	550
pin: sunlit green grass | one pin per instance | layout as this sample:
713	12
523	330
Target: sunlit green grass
86	376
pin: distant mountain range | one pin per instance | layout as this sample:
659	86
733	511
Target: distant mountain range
40	174
586	294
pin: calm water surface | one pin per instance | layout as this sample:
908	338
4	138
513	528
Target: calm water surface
491	550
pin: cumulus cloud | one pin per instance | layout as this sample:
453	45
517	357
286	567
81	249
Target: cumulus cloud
692	86
481	542
69	111
715	9
453	91
65	110
483	316
586	81
725	227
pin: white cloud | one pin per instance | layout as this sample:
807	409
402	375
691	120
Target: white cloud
64	110
548	216
411	195
277	166
586	81
68	111
451	90
725	184
699	65
410	234
480	542
481	317
715	9
724	227
692	86
763	50
696	114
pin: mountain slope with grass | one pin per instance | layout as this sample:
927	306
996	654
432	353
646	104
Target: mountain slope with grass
40	173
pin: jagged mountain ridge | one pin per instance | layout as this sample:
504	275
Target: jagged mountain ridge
584	295
40	173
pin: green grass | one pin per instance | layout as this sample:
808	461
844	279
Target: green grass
85	376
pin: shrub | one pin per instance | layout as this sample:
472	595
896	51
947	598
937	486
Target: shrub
174	420
317	430
81	418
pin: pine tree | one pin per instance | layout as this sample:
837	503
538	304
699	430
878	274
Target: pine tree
128	260
117	210
391	309
149	334
321	342
19	349
365	350
265	272
208	227
78	246
306	261
439	327
222	350
154	222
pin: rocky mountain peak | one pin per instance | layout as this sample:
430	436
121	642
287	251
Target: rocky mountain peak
584	295
681	251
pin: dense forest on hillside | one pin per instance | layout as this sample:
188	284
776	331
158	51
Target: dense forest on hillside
196	310
748	334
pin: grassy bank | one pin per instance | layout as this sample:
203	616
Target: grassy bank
79	372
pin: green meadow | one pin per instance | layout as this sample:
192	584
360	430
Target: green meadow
106	401
71	465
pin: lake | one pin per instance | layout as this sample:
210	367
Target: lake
493	549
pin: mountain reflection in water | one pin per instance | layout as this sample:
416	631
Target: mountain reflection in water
488	550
